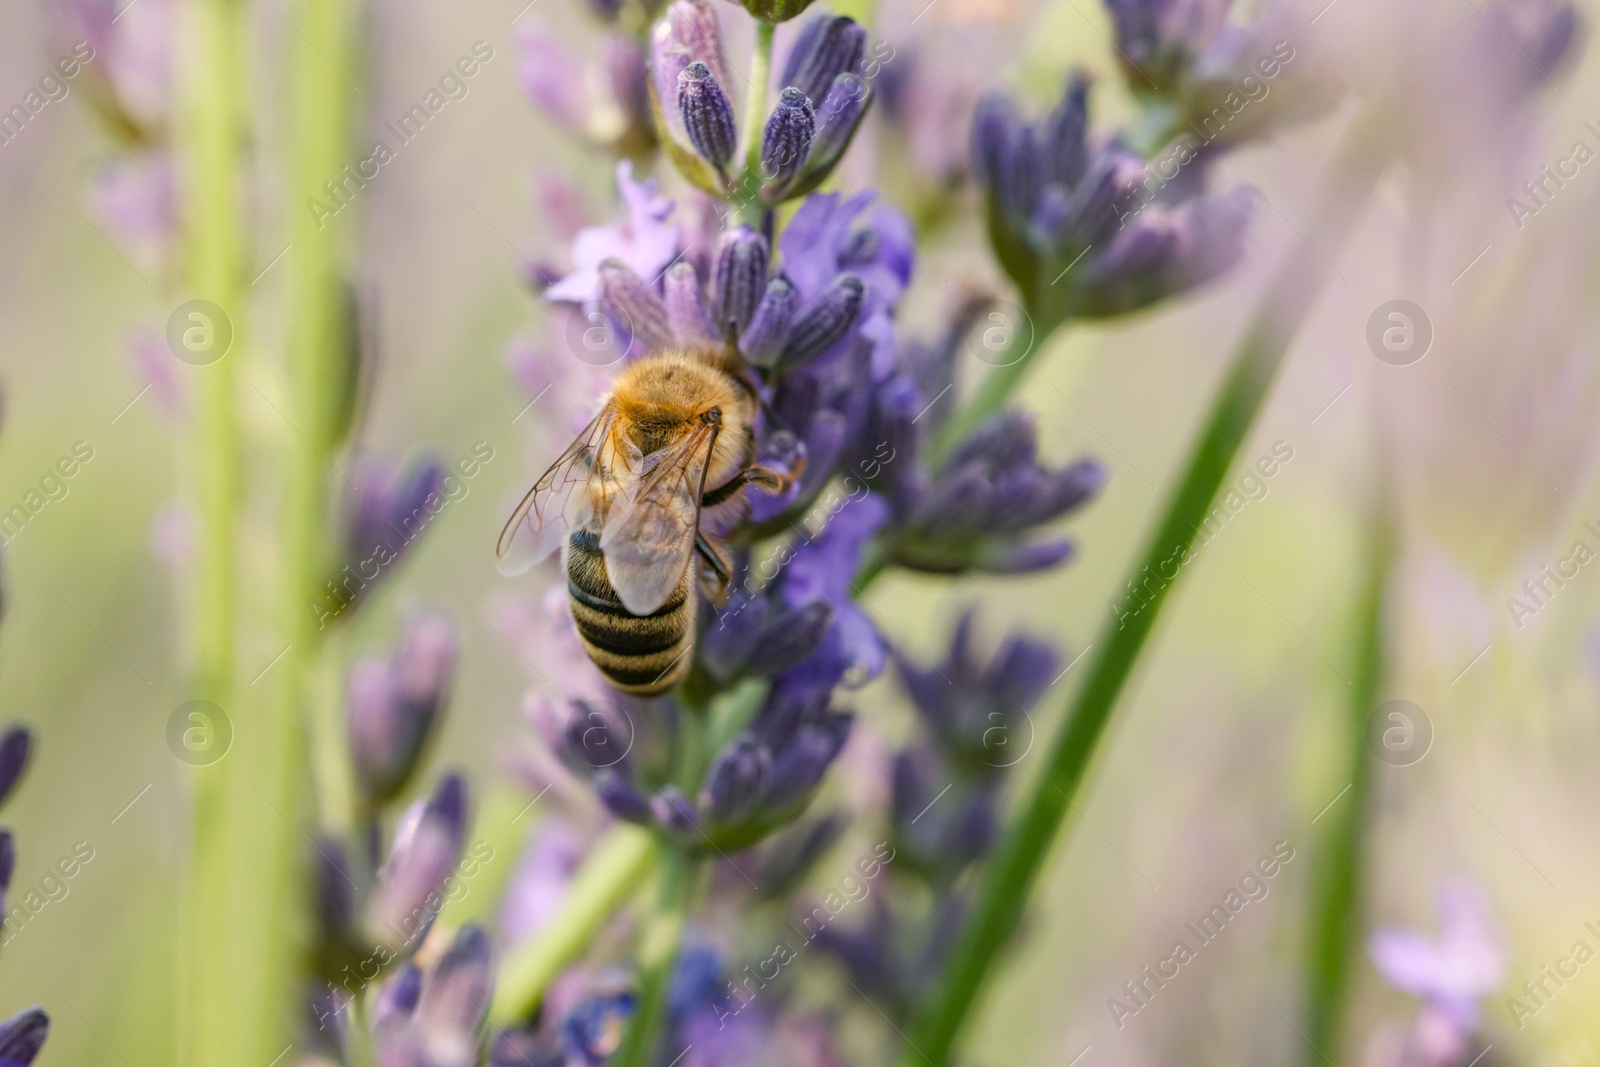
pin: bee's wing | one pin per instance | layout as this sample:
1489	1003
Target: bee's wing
563	499
648	538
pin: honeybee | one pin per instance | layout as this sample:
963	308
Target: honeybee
674	442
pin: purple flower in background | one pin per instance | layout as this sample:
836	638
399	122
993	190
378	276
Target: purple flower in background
539	884
1218	80
22	1036
390	510
645	242
616	114
427	844
395	704
1091	230
16	745
129	51
153	364
137	197
1454	971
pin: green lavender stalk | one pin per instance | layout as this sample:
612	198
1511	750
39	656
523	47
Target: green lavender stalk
1034	829
1336	884
755	110
319	106
210	133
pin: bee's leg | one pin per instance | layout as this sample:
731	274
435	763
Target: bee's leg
717	573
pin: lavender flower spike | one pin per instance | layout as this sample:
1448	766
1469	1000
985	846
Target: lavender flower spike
22	1036
707	115
786	143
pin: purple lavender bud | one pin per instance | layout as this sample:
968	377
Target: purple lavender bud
737	781
1052	215
790	638
686	306
624	60
398	997
1066	152
673	810
805	759
770	327
14	749
427	845
738	277
994	125
787	139
826	48
634	307
593	1030
335	897
8	865
393	706
689	27
606	10
707	115
825	322
620	798
389	513
454	1001
22	1036
837	116
1021	175
728	642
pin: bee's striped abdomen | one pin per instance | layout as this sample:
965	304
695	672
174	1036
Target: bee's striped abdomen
644	655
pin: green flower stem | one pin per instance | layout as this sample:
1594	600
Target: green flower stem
1011	872
658	955
1336	895
624	858
748	193
211	124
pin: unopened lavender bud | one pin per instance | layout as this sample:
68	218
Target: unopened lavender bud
455	1000
707	115
1066	151
398	997
624	60
739	276
14	749
620	798
787	139
790	638
427	845
825	322
394	706
8	865
335	900
806	758
22	1036
838	116
686	306
1052	214
737	781
827	47
769	330
633	306
673	810
993	125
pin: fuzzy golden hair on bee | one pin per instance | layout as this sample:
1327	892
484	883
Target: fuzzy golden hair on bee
673	444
